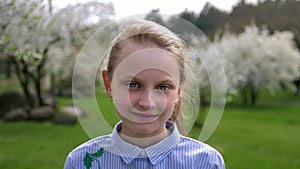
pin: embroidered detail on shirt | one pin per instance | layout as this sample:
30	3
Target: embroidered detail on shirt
89	158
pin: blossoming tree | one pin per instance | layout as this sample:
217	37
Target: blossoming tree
34	41
256	59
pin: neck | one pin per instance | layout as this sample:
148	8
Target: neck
145	142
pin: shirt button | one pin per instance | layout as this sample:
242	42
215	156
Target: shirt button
143	153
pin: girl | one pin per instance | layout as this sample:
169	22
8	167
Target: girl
145	77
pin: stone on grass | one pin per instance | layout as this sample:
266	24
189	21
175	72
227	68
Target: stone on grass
42	113
66	120
14	115
11	100
73	111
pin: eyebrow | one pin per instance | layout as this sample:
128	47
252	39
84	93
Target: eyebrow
167	80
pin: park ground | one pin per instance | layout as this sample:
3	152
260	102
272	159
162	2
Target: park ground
265	136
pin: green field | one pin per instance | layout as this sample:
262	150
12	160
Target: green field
266	136
259	138
262	137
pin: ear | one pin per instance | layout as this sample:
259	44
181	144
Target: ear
179	93
107	83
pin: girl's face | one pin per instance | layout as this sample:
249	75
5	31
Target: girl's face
145	87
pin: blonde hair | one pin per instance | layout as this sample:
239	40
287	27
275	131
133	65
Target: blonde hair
147	33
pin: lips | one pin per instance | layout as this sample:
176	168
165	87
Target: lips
145	117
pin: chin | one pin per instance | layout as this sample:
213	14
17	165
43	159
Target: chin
146	129
139	128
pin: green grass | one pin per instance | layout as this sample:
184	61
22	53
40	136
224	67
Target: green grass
30	145
262	137
265	136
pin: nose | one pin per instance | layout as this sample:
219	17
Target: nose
145	101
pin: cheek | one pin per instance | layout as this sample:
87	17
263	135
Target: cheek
133	97
171	100
121	99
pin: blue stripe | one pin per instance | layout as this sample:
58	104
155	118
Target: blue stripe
176	152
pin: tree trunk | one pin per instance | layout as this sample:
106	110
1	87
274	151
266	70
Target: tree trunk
38	89
254	94
50	6
244	95
52	81
23	77
297	86
28	96
38	79
8	69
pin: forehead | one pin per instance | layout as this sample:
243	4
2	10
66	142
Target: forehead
129	47
134	58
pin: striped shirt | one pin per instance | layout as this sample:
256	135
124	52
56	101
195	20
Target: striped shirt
174	152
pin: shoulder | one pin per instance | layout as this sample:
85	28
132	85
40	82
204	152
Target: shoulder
196	144
95	146
91	146
203	154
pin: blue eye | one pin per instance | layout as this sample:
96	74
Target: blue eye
132	85
163	87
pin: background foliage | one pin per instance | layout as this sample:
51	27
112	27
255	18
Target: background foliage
258	43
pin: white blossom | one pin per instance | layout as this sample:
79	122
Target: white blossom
253	58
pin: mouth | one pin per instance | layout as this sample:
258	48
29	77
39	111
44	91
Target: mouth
145	117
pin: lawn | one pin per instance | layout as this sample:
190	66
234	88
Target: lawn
259	138
262	137
32	145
